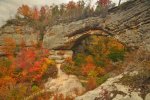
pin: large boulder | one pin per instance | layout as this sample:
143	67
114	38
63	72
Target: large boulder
112	89
19	34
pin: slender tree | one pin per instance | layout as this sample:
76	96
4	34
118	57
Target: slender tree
119	2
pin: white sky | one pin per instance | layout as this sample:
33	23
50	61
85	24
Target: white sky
8	8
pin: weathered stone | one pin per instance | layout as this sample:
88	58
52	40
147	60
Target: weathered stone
19	34
129	26
60	55
115	90
28	39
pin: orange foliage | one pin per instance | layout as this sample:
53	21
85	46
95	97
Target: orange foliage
24	10
90	66
101	71
7	80
91	84
35	14
71	5
9	47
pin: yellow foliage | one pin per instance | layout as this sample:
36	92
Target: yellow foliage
48	61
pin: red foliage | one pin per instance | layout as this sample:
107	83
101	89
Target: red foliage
25	58
31	62
71	5
36	14
87	68
103	2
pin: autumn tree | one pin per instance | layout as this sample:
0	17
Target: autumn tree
103	6
71	7
89	66
103	3
42	13
35	14
55	11
119	3
62	9
25	11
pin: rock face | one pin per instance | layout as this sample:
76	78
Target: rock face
113	90
128	23
60	56
147	97
19	34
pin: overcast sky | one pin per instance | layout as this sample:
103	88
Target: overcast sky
8	8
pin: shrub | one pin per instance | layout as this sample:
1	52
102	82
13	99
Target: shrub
51	71
35	88
102	79
89	66
91	84
101	71
70	68
92	73
5	62
116	55
79	59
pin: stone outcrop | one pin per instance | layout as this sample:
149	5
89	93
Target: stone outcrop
19	34
112	89
128	23
60	56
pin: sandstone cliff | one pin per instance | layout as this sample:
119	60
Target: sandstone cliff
128	23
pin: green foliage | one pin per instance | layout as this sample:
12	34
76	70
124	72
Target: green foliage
99	61
51	71
102	79
67	69
5	62
116	55
79	59
35	88
71	69
92	73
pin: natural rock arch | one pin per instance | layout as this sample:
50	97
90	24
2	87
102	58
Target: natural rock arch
130	28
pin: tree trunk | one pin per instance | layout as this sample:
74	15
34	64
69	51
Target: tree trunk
119	2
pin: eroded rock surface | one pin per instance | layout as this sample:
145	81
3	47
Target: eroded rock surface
112	89
19	34
129	24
